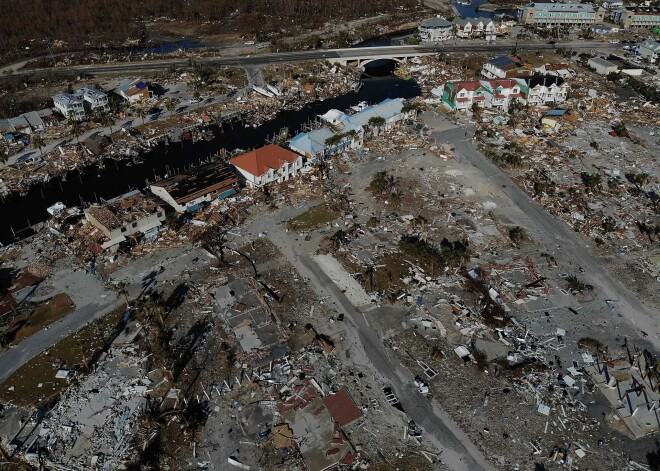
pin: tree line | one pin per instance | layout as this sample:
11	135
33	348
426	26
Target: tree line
81	22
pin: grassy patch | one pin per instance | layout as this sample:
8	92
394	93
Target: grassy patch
53	310
389	276
76	351
313	218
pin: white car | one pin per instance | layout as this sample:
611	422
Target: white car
192	101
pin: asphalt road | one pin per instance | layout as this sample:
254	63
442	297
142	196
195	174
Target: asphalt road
458	452
322	54
557	237
14	358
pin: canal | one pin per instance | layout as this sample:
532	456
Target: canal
92	184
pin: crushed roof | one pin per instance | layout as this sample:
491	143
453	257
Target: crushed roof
342	408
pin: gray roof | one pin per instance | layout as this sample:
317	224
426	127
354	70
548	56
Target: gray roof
19	122
568	7
5	126
33	119
602	62
435	22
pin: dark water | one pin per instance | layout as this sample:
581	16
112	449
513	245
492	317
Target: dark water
471	10
16	212
390	39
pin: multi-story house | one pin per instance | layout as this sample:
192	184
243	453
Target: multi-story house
435	29
505	67
93	99
267	164
462	95
480	28
649	50
555	14
545	89
500	93
77	104
70	106
636	17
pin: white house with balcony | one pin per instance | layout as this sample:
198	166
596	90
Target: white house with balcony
76	105
435	29
70	106
267	164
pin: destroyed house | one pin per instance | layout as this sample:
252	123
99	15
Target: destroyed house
267	164
124	216
342	408
188	191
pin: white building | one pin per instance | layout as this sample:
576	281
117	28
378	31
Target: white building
70	106
546	90
602	66
267	164
649	50
435	29
77	104
505	67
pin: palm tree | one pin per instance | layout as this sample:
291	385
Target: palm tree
396	198
141	114
377	122
369	272
108	121
170	106
197	97
76	130
38	143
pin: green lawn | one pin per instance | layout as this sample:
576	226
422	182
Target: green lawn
53	310
34	383
312	218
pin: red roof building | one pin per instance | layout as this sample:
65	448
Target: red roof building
342	408
267	164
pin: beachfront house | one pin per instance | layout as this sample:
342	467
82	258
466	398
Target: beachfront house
435	29
267	164
135	91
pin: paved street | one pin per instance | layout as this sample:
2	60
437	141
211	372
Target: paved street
557	238
459	453
326	54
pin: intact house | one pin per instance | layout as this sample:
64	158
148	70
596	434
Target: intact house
637	17
135	91
267	164
348	131
480	28
435	29
649	50
602	66
505	67
188	191
77	104
125	216
556	14
316	145
545	90
500	93
461	95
